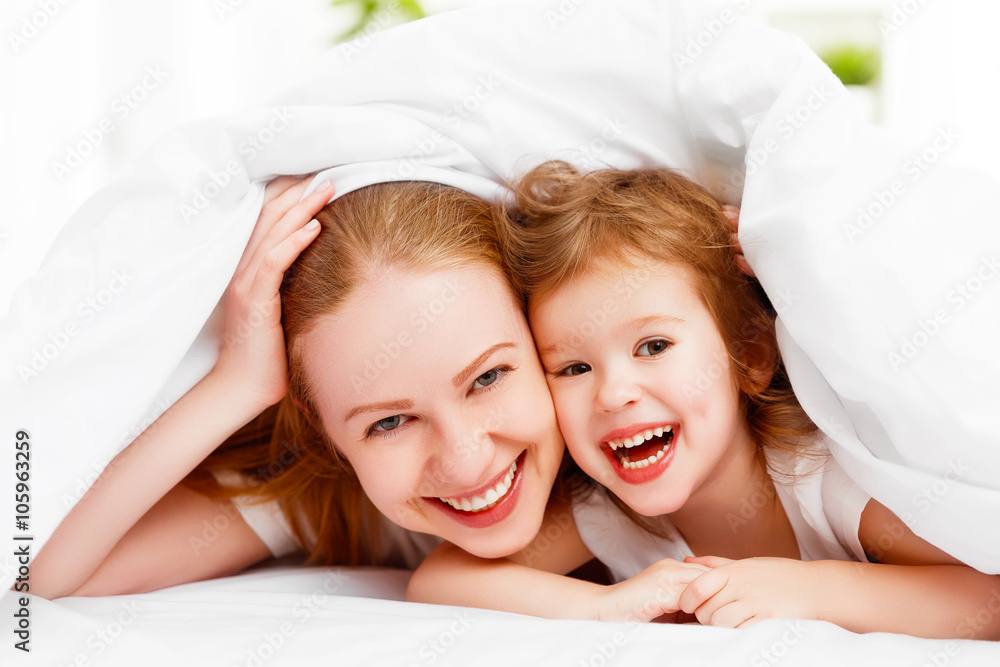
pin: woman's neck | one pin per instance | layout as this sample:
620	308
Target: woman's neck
737	512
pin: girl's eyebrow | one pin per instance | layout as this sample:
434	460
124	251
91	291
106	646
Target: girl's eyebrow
631	325
643	322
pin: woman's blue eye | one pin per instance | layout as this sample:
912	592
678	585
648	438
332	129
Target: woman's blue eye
575	369
388	424
486	379
653	347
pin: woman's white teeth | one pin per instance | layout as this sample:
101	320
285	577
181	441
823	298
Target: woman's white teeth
488	499
639	438
635	465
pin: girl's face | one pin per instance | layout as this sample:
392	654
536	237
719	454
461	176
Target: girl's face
642	385
430	386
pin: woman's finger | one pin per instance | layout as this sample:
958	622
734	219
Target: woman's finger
294	218
276	203
272	270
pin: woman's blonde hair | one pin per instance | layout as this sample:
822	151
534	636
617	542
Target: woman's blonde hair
285	453
564	223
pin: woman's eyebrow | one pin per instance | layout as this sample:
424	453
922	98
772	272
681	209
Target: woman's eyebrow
376	407
464	374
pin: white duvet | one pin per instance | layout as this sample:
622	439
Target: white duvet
881	260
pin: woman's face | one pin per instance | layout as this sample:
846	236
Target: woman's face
429	384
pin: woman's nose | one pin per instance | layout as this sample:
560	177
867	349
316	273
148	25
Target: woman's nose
616	389
463	454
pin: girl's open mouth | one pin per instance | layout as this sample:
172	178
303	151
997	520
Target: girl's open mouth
643	456
489	505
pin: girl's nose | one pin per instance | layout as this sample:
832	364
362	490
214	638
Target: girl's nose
616	389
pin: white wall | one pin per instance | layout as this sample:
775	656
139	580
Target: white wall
143	66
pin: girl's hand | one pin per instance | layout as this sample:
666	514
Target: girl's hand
649	595
253	352
738	593
733	214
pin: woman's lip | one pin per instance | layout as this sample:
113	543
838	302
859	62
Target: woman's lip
495	514
629	431
485	487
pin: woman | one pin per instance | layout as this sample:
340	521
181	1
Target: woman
400	303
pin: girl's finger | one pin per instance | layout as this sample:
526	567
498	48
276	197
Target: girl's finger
294	218
701	590
708	561
268	279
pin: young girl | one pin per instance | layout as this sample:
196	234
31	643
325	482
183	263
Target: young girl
716	496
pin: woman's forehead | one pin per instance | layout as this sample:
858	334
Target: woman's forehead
407	331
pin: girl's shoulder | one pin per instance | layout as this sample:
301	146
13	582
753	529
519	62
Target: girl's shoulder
822	502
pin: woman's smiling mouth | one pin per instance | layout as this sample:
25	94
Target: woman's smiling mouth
489	504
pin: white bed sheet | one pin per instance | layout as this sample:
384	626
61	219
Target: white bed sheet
333	616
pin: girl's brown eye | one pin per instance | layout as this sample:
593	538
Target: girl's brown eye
651	348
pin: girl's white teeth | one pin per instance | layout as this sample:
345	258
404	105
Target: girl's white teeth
636	465
639	438
488	499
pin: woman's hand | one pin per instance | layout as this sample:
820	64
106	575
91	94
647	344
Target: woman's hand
653	594
738	593
253	358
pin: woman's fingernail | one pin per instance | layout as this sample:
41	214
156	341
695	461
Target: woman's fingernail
313	225
324	186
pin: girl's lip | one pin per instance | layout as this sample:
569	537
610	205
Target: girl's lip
493	515
650	472
629	431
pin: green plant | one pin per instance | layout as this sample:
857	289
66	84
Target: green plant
854	65
379	12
